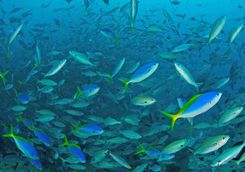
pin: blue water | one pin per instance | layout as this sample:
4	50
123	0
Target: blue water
124	120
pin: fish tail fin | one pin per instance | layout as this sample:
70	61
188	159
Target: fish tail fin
77	94
132	26
141	150
74	127
3	76
172	117
11	133
65	143
125	83
109	78
197	85
237	162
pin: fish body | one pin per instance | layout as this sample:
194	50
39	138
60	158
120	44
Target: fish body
41	136
89	129
230	114
142	73
197	105
234	34
17	31
133	12
56	68
120	160
175	146
143	100
90	90
181	48
108	33
212	144
75	150
227	155
80	57
217	28
38	56
25	146
186	75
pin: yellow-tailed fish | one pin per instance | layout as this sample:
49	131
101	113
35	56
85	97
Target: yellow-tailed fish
197	105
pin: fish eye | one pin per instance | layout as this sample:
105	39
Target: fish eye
145	102
181	145
223	138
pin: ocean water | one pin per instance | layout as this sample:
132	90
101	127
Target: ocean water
122	85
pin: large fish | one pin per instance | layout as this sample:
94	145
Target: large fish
197	105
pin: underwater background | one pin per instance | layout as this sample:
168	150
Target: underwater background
122	85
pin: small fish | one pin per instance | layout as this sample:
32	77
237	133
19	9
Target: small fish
234	34
80	57
14	35
216	28
175	146
222	82
28	123
227	155
109	34
133	13
56	68
87	91
230	114
38	56
143	100
18	108
116	70
130	134
141	74
91	129
212	144
197	105
186	75
41	135
182	47
75	150
46	89
25	146
24	98
120	160
155	28
48	82
155	152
